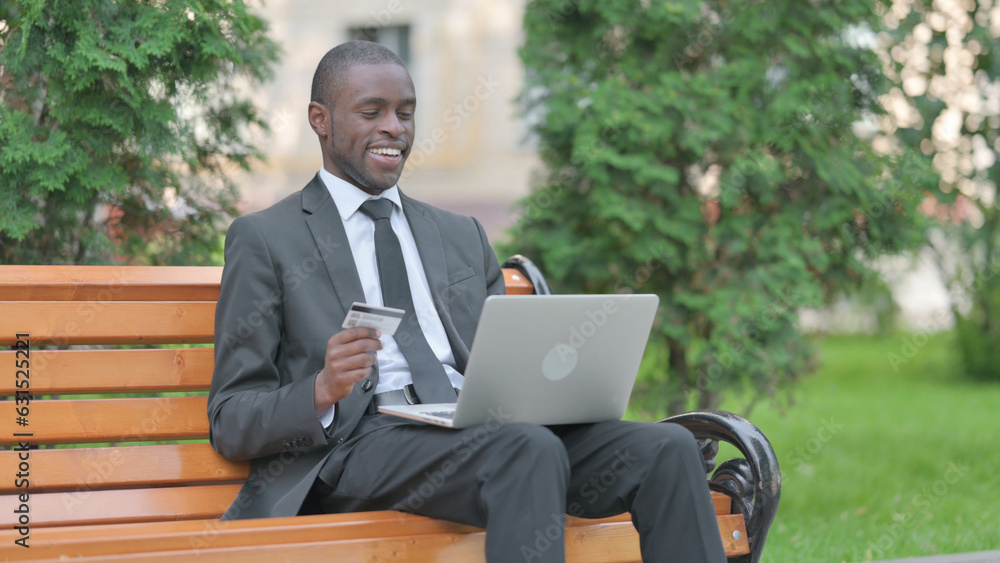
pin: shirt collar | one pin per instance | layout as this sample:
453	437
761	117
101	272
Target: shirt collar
349	197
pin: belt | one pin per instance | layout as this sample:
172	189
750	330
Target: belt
405	396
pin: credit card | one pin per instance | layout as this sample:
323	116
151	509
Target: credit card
385	319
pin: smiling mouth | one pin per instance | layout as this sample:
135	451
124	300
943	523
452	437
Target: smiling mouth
386	152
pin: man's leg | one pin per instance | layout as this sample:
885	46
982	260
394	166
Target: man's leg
654	471
508	478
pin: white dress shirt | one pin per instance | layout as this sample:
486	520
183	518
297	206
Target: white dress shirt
394	373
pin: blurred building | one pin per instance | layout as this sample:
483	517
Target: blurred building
470	153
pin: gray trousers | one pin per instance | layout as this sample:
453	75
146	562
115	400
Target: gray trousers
518	481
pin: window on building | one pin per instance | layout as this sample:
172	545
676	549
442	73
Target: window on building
395	37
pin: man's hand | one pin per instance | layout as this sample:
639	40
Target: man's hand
350	355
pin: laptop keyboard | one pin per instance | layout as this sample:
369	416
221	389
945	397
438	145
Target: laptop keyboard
442	414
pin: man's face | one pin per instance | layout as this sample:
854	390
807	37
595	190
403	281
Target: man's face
371	127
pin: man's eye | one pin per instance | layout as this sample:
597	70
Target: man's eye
369	113
405	115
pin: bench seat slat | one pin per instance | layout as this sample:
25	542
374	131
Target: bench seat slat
75	469
162	504
203	502
216	539
110	283
121	322
114	371
214	534
111	420
371	532
465	547
601	540
121	506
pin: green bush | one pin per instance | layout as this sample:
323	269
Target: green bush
119	122
704	151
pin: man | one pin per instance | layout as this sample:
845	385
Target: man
298	395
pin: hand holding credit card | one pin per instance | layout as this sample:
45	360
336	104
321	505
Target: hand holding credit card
385	319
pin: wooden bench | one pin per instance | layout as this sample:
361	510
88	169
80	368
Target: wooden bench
85	473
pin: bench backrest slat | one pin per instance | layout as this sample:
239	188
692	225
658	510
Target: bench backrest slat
79	421
114	371
109	283
126	505
84	469
115	322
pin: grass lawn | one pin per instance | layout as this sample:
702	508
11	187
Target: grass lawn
886	453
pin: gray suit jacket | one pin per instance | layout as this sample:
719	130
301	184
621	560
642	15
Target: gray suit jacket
288	282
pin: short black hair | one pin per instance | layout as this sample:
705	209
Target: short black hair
332	68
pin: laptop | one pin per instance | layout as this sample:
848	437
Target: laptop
547	359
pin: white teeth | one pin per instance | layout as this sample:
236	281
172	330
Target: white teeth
387	152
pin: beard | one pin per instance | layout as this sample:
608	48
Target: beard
357	173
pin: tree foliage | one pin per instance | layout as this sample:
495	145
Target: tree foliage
704	151
118	124
946	62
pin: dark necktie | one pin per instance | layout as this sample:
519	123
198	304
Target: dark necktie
429	379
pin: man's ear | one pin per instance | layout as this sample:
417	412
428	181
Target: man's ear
319	119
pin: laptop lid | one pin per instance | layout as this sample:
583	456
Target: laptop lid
555	359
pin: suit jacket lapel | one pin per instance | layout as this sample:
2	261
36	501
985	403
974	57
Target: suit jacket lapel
331	241
431	249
